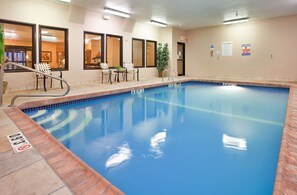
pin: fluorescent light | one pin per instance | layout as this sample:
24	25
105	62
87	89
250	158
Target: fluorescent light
49	38
10	35
116	12
44	32
236	20
67	1
158	23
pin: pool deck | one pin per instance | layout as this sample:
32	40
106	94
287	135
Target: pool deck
50	168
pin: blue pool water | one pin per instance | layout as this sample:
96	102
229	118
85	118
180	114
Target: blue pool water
199	138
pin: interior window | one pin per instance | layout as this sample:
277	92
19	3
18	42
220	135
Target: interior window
114	50
138	52
151	53
54	47
93	47
19	44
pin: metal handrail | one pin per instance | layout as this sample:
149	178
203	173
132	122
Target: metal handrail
25	95
171	77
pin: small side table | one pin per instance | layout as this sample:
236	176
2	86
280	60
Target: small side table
118	74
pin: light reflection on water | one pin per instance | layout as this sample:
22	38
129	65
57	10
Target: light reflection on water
155	143
124	153
234	142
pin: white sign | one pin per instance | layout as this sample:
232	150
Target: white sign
227	48
18	142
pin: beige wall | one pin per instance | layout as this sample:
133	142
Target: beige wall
178	36
273	50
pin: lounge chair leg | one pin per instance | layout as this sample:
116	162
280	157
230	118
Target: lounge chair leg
102	78
44	83
36	82
61	76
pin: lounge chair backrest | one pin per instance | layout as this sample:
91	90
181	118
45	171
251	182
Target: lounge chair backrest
43	67
129	66
104	65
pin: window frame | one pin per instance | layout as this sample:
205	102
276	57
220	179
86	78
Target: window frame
66	44
143	52
102	49
155	60
121	47
33	26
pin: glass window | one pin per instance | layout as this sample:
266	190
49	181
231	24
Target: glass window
53	47
19	44
138	52
94	52
114	50
151	53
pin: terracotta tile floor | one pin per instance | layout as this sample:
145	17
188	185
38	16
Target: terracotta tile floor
53	169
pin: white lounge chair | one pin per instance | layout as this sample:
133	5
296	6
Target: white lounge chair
45	68
130	69
105	70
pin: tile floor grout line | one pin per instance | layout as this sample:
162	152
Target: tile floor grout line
60	189
22	167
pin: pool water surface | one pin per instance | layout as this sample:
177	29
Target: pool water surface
198	138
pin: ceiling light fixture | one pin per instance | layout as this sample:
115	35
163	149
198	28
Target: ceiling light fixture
158	23
67	1
116	12
48	38
236	20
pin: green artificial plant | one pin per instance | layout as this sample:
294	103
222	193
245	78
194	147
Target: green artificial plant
162	57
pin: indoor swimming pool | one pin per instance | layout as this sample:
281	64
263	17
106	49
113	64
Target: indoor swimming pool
197	138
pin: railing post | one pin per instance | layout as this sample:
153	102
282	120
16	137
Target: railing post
1	84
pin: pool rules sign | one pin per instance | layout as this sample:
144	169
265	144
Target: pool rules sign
246	49
18	142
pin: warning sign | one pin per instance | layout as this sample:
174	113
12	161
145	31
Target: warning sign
246	49
18	142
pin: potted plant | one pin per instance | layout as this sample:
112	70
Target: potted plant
162	58
4	83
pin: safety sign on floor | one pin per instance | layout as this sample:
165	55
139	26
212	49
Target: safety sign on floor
18	142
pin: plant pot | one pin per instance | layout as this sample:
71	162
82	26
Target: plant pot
5	83
160	74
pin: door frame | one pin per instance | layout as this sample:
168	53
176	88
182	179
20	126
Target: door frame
183	60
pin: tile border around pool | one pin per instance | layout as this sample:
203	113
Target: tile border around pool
84	180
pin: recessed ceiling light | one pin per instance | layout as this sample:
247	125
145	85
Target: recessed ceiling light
67	1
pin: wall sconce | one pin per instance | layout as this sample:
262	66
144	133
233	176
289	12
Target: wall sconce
116	12
158	23
236	20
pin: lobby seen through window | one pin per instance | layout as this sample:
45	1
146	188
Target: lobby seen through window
114	50
94	52
53	47
19	44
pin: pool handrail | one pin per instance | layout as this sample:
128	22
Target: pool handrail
25	95
170	76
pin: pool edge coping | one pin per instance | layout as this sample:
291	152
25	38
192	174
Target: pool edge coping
280	184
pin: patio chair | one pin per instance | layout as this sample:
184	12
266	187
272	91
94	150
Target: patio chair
131	70
45	68
106	71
